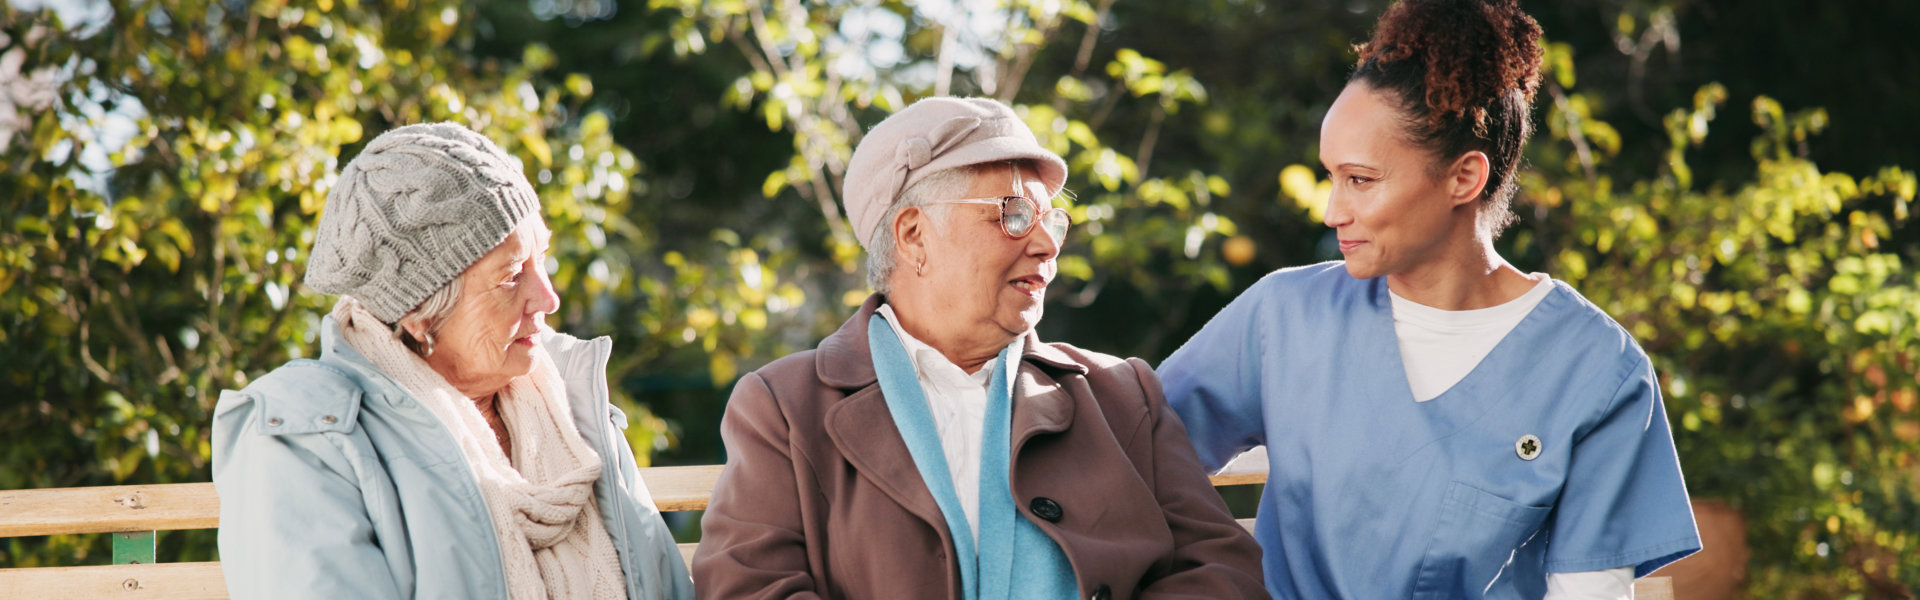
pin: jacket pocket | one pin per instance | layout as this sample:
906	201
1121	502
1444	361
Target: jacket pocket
1475	537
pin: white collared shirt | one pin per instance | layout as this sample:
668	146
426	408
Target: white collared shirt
958	402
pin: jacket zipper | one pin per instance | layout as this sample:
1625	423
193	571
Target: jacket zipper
602	350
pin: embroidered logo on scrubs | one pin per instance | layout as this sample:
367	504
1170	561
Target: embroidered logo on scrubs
1528	447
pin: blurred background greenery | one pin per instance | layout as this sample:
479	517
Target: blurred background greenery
1730	180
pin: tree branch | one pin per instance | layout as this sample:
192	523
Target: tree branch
1013	75
1579	139
758	19
822	192
86	357
1084	57
1145	156
267	337
943	62
753	56
796	19
831	105
172	371
1106	107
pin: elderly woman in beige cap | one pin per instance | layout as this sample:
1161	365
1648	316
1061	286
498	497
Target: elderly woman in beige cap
446	443
934	447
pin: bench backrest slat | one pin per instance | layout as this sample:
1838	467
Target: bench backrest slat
681	488
175	506
109	509
164	581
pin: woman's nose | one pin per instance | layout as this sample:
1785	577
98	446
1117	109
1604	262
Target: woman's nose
1336	213
1040	243
545	300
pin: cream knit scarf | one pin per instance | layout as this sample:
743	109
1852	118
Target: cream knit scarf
552	543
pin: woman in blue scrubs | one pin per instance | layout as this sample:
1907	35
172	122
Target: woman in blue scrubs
1439	424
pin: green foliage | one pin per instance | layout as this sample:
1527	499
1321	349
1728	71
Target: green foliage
157	216
1782	319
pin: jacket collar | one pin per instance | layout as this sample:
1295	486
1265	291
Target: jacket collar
863	428
844	360
335	350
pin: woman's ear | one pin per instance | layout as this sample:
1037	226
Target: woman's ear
1468	177
910	230
413	327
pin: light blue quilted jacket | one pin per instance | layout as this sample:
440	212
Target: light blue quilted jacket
335	483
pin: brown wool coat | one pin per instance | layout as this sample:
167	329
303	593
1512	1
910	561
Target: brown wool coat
820	498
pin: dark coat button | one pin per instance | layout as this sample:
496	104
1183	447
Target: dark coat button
1045	508
1101	593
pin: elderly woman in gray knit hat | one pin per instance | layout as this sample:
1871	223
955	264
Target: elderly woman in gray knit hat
446	443
934	447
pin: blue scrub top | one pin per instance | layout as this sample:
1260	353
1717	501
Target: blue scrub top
1374	495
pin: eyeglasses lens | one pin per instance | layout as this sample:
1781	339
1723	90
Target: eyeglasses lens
1017	214
1056	223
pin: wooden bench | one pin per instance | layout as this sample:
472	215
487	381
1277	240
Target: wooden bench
134	514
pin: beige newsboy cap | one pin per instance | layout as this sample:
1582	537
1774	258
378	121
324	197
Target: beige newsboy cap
933	135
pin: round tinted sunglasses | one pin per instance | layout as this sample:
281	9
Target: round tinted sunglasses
1018	215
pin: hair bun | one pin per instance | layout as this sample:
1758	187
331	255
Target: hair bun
1474	52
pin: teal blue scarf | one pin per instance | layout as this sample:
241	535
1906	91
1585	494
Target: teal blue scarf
1015	560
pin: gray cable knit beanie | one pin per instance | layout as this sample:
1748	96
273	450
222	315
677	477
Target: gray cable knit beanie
418	206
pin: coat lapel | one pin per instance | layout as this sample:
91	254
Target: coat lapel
862	427
1040	404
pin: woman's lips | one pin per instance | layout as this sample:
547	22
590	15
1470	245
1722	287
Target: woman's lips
525	341
1031	285
1348	246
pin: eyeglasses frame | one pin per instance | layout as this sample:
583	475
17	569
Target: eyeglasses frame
1039	215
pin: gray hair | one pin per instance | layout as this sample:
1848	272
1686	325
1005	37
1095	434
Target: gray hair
944	185
432	314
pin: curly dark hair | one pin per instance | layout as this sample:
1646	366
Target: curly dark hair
1463	73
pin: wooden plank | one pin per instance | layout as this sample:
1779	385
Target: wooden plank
170	507
166	581
1653	588
681	488
1248	468
106	509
